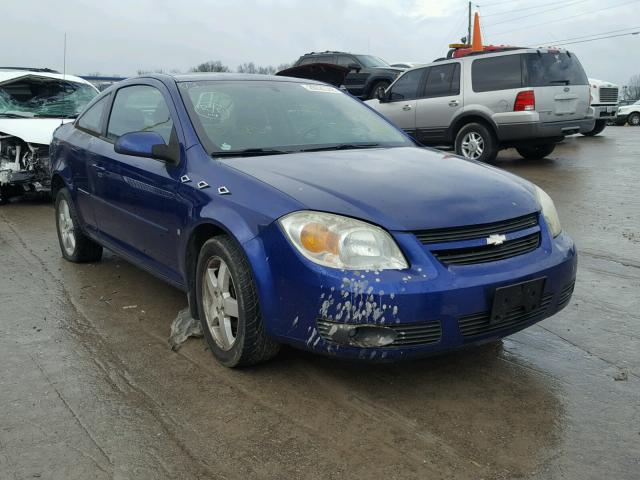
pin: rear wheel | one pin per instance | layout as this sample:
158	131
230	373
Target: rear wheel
228	305
634	119
476	142
536	152
598	128
378	89
74	244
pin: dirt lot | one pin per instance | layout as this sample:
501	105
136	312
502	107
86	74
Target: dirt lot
89	388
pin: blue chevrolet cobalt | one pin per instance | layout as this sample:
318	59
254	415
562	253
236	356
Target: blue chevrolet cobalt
291	213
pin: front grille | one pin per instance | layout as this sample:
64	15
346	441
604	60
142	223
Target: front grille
565	294
609	95
478	323
407	334
477	231
489	253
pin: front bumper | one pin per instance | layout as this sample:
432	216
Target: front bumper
605	112
516	132
445	307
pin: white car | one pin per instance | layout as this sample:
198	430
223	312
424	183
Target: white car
629	114
33	103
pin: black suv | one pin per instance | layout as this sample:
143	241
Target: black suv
369	76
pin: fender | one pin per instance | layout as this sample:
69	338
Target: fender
373	79
466	115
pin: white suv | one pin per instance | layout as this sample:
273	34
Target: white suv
529	99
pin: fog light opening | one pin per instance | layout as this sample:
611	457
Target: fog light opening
362	335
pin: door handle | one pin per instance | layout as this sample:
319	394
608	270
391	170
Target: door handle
406	108
454	103
100	171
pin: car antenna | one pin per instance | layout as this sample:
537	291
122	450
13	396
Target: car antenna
64	64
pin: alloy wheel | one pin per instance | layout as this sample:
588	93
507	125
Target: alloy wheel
472	145
65	225
220	303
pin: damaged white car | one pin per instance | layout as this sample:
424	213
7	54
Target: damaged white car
33	103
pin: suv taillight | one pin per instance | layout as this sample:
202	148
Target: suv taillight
525	101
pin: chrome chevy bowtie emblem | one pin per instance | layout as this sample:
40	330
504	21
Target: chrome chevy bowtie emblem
496	239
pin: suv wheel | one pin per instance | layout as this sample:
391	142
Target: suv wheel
634	119
378	89
228	305
476	142
536	152
599	127
74	244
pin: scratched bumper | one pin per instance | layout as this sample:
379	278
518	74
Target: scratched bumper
295	294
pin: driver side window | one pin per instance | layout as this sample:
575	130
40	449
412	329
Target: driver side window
139	108
406	87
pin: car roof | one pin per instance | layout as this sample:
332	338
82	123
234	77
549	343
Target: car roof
497	53
229	77
8	74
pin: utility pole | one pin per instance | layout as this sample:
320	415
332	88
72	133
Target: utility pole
469	31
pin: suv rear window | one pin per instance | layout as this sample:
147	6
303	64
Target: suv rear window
496	73
552	69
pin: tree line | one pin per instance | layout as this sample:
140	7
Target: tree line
218	66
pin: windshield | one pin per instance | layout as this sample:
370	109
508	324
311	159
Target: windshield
34	96
283	116
371	61
553	69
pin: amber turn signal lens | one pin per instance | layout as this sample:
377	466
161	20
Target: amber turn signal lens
317	238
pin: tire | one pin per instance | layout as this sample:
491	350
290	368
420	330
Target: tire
536	152
75	245
476	142
380	87
223	277
598	128
634	119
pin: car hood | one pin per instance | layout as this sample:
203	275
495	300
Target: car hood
398	188
31	130
322	72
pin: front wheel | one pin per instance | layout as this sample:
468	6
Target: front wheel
536	152
476	142
228	305
74	244
378	89
634	119
598	128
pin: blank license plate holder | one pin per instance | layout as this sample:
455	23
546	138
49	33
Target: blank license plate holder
526	295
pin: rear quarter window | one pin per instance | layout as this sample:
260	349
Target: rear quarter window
496	73
91	120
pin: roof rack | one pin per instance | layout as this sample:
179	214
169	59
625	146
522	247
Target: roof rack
326	51
30	69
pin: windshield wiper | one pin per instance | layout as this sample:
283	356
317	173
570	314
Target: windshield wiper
247	152
340	146
14	115
53	115
566	82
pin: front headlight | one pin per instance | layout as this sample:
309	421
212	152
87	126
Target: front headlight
342	242
549	212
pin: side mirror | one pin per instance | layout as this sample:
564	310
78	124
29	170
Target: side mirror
148	145
354	66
